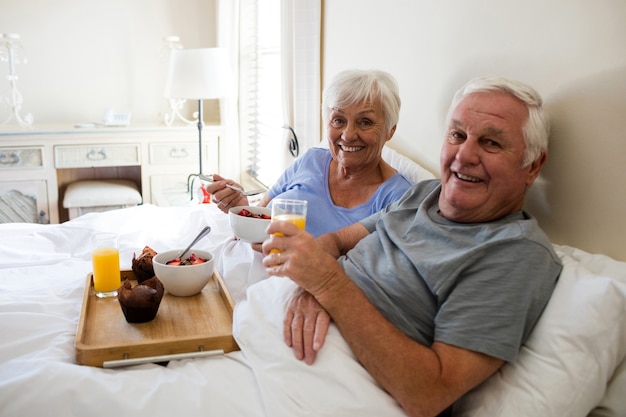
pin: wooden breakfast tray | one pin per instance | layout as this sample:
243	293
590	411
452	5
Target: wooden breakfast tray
200	325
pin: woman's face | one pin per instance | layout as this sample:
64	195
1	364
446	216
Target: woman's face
357	134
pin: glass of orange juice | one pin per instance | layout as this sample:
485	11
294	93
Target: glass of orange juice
105	257
293	211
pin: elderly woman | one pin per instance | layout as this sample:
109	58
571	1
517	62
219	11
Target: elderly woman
348	181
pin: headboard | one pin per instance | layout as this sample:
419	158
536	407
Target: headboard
580	197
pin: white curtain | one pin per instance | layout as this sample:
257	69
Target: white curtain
300	46
228	38
301	55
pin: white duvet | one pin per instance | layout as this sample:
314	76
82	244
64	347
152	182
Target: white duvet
42	277
335	386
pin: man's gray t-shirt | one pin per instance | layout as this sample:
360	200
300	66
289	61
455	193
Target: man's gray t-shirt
477	286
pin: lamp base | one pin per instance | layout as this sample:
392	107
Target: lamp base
203	197
191	179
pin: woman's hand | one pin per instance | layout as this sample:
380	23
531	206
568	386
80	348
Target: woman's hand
224	197
305	325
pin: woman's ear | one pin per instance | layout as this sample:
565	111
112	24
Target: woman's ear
391	132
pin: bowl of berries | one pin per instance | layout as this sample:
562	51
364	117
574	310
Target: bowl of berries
187	276
248	223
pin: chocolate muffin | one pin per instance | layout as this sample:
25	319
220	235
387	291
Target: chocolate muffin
142	265
141	302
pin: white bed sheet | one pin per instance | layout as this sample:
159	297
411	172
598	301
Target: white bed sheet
42	276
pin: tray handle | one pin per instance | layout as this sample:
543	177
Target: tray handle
161	358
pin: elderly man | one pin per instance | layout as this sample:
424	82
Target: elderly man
452	277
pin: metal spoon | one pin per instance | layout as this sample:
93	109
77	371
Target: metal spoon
209	178
202	234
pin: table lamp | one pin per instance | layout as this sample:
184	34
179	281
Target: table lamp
11	51
196	74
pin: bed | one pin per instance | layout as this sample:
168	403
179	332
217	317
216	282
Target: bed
573	365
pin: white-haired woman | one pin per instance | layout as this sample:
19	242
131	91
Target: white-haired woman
350	180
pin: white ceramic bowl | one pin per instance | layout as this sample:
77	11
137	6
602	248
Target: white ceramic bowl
249	229
183	280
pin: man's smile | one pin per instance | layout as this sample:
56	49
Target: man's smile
467	177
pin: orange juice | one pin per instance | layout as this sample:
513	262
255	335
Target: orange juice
297	219
106	269
292	211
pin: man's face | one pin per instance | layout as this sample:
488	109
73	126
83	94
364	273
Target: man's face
481	159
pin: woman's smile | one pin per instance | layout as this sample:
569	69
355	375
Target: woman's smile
346	148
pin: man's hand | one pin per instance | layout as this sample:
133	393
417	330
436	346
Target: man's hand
310	262
305	325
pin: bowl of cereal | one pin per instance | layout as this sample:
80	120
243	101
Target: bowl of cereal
187	276
248	223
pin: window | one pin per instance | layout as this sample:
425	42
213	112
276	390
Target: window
260	105
276	45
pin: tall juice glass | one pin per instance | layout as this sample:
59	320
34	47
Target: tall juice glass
105	258
293	211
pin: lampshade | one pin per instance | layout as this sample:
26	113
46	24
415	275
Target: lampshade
196	74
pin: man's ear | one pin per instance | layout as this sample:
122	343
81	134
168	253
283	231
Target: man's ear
535	168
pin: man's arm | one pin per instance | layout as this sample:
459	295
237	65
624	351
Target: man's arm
336	243
424	380
339	242
306	323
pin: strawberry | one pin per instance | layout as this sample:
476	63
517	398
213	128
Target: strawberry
174	262
192	260
248	213
245	213
206	197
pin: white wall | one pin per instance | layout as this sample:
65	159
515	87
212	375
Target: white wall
572	51
87	55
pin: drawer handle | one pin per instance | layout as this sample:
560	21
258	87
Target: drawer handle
179	153
9	158
94	155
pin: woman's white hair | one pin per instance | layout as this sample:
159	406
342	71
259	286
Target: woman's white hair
353	87
537	127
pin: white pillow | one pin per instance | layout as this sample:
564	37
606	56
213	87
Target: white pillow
406	166
403	164
95	193
573	352
335	385
614	403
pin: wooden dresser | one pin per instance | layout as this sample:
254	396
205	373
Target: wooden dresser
41	161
